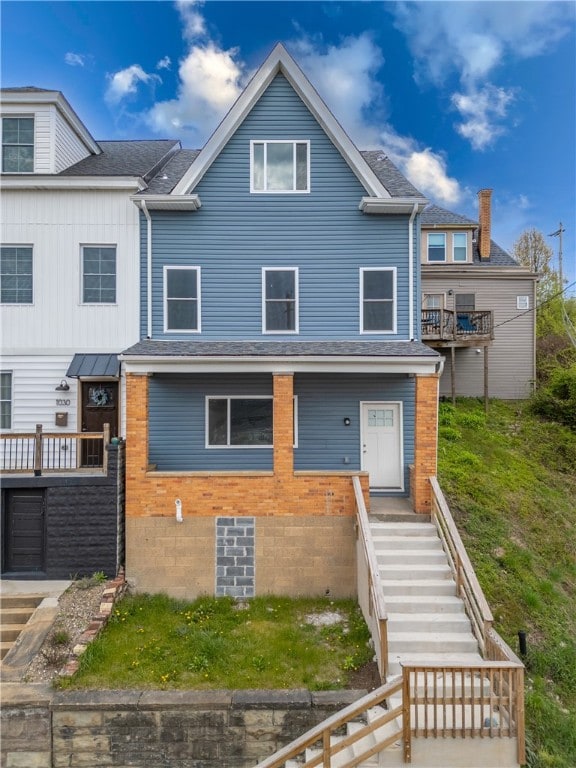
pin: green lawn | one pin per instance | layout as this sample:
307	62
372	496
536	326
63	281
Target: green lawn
510	479
153	641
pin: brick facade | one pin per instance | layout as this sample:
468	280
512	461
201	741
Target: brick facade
304	540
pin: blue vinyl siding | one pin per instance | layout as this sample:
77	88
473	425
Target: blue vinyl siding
236	233
324	401
177	422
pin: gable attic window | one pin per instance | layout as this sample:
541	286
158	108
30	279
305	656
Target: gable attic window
17	144
459	247
182	299
279	166
16	275
436	246
378	300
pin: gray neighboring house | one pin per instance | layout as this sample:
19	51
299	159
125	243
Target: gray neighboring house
478	306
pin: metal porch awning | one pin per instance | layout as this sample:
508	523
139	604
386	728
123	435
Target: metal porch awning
93	365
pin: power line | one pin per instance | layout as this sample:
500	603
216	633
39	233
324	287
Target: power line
536	306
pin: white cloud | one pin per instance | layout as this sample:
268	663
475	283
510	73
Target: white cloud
426	169
125	82
210	82
75	59
471	40
194	25
164	63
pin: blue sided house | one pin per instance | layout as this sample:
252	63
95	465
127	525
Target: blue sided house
280	352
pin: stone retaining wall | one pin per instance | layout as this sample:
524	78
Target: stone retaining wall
42	728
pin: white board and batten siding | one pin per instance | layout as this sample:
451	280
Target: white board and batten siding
511	357
56	145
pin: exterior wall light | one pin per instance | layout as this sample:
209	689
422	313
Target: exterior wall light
346	421
63	386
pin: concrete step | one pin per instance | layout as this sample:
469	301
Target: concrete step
414	572
20	601
407	643
411	556
403	529
418	586
9	632
423	604
406	542
428	622
17	615
4	648
422	659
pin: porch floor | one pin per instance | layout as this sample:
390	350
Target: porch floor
394	508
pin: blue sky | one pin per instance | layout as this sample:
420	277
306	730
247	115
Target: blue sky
461	95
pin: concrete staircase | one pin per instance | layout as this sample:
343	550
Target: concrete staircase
427	623
426	620
15	612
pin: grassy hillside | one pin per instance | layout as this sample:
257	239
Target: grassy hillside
510	480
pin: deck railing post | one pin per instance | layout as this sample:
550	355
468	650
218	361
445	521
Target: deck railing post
38	450
406	725
105	444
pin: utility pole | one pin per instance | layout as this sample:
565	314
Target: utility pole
558	234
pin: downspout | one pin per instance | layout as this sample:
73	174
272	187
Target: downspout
411	270
148	269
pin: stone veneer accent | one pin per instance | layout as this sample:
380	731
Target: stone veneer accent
235	556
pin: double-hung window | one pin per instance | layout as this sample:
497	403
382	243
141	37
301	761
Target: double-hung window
280	166
436	246
459	247
182	299
378	300
5	400
239	422
99	274
18	145
280	300
16	279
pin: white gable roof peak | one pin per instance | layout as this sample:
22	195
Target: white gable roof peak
280	61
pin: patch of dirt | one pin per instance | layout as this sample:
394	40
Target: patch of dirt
366	678
76	607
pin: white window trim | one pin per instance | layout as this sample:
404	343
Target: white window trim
295	270
293	191
23	116
244	397
11	427
523	302
394	299
454	259
98	303
22	303
433	293
435	261
167	268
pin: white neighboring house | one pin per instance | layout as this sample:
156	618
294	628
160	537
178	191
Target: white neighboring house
69	263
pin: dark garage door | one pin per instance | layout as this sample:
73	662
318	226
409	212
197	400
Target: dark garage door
24	538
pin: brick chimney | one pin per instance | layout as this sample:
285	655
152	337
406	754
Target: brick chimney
484	223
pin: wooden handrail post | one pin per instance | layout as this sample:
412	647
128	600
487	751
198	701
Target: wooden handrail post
406	725
38	450
105	444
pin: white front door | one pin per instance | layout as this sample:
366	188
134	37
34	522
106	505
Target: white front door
382	445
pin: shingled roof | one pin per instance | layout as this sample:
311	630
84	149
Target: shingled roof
126	158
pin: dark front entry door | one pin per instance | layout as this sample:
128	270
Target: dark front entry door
24	530
99	407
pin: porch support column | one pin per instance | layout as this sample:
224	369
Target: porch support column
283	426
425	441
136	440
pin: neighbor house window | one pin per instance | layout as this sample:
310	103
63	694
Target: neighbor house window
433	301
18	144
239	421
5	400
280	166
436	246
459	246
16	274
378	300
182	299
522	302
99	274
280	300
465	302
